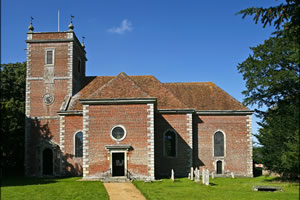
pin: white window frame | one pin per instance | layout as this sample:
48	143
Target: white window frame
125	133
213	145
53	56
74	143
176	143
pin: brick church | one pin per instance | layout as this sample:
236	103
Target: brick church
123	125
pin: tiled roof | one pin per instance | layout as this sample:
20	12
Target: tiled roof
198	96
204	96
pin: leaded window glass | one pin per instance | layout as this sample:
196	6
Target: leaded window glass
78	144
219	144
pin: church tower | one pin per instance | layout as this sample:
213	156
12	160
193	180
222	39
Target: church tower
55	72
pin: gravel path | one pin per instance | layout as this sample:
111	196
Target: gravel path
123	191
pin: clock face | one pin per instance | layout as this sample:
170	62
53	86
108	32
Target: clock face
48	99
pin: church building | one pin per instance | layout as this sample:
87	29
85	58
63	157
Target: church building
125	125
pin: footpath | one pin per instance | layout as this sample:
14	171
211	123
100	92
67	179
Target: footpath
123	191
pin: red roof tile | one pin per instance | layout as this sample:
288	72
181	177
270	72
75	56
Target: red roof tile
199	96
204	96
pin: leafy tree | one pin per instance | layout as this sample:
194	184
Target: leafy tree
272	75
279	136
12	105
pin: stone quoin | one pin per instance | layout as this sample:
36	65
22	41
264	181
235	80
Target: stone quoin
121	126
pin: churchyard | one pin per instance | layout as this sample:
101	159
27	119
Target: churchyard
183	188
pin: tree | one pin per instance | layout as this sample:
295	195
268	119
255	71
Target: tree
272	75
12	105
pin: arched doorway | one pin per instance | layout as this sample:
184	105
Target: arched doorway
219	167
47	162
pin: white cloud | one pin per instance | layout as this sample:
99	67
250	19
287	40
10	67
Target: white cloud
124	26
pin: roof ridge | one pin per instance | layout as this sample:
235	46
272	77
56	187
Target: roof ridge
191	83
112	80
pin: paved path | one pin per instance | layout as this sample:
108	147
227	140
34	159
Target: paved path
123	191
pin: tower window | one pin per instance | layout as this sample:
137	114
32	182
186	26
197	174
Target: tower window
49	57
79	66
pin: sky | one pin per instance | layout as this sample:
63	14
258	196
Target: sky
174	40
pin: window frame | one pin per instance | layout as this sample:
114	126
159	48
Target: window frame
213	144
164	143
46	56
124	136
80	131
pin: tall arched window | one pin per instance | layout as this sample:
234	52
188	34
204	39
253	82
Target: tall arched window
219	144
78	144
170	143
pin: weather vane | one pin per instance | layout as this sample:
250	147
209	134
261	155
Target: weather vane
71	27
30	27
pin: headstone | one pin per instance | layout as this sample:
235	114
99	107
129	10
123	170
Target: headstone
189	176
197	175
232	175
192	173
203	176
172	175
212	175
206	177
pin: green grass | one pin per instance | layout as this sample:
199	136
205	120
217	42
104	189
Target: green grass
51	189
220	188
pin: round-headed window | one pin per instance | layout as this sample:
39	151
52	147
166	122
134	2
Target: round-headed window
118	133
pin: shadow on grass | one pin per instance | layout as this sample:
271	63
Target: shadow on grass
22	181
280	179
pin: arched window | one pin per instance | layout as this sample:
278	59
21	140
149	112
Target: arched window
78	144
170	143
219	144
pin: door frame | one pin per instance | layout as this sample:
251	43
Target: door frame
111	160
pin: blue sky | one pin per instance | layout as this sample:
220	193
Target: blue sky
174	40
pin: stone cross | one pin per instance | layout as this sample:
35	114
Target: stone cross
172	175
192	173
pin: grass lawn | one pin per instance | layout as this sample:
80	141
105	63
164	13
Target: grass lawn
220	188
51	188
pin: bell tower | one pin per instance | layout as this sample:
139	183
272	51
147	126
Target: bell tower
55	72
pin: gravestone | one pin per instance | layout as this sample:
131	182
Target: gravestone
212	175
203	176
172	175
232	175
197	175
206	181
189	176
192	173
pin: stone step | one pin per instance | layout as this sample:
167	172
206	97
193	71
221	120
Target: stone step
115	180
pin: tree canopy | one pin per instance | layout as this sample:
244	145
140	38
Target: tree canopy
272	76
12	116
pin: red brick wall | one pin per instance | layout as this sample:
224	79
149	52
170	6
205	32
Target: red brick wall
180	163
102	118
73	165
236	147
38	90
38	58
49	35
